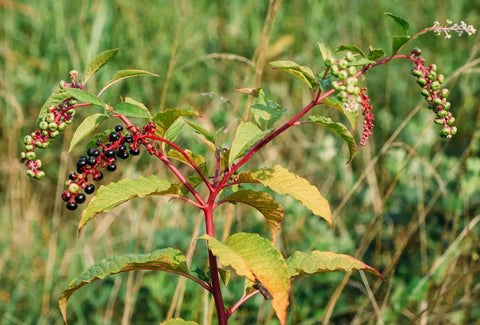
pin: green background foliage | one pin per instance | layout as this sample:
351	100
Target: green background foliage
404	205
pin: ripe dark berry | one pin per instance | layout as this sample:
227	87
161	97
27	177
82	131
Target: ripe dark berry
90	188
80	198
111	167
122	154
134	152
91	160
118	128
122	148
113	136
81	163
99	142
128	138
71	206
110	153
93	152
97	176
66	195
82	158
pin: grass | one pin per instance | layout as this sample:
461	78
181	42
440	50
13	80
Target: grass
408	204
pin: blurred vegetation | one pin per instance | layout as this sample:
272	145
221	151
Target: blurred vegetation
409	203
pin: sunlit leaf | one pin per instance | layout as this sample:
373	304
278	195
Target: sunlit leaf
246	136
87	126
165	119
402	23
131	110
339	129
201	130
256	258
265	112
85	97
265	204
326	54
112	195
167	259
99	61
320	262
197	159
304	73
280	180
124	74
174	130
352	48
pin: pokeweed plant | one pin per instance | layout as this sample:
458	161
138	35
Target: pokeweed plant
249	255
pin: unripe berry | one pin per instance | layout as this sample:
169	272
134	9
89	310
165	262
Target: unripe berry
349	56
40	175
72	102
437	101
45	145
38	162
30	173
439	121
342	64
66	195
444	93
435	85
63	84
55	134
73	188
51	109
29	147
52	126
417	73
39	144
22	155
421	81
445	132
342	75
50	117
447	105
31	155
442	113
352	70
416	51
451	121
27	139
71	112
45	132
62	126
350	89
441	78
43	125
453	130
335	70
433	67
432	75
424	92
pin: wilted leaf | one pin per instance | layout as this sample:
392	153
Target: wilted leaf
246	136
265	204
167	259
280	180
260	262
99	61
320	262
112	195
339	129
87	126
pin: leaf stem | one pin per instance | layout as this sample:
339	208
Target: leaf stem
232	309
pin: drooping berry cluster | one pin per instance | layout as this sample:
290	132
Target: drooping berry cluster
435	95
346	85
51	125
120	144
368	116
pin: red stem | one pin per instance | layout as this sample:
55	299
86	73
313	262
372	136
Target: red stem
232	309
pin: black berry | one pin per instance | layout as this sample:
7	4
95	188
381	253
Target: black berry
128	138
110	153
122	148
92	160
80	198
93	152
90	188
122	154
111	167
134	152
81	163
114	136
97	176
71	206
118	128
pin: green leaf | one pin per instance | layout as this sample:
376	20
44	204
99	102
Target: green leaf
85	97
197	159
201	130
304	73
178	321
174	130
124	74
165	119
326	54
280	180
339	129
246	136
87	126
265	112
361	62
398	42
375	53
167	259
336	103
402	23
352	49
55	98
131	110
319	262
265	204
260	262
98	62
112	195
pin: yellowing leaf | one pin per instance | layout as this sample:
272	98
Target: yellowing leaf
260	262
167	259
178	321
112	195
280	180
265	204
320	262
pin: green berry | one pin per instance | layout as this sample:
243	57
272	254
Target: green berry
437	101
425	92
22	155
30	173
63	84
29	147
31	155
435	85
349	56
43	125
442	113
71	112
342	75
447	105
432	75
342	95
328	62
453	130
51	109
417	73
440	78
50	117
451	121
352	70
421	81
342	64
45	145
416	51
335	70
39	144
444	93
54	134
433	67
72	102
40	174
439	121
52	126
62	126
38	162
27	139
73	188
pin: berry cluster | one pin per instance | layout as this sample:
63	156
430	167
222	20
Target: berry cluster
436	96
369	116
104	155
51	125
346	85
